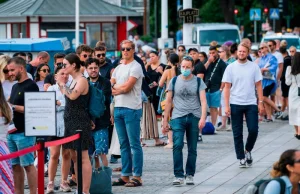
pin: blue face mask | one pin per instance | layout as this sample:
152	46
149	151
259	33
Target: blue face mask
185	72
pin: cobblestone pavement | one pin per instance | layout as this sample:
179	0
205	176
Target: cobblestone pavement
158	163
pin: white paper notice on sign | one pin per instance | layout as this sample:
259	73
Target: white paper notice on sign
40	114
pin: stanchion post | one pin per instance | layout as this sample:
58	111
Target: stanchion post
79	163
41	162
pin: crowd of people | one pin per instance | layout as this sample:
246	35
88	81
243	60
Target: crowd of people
225	87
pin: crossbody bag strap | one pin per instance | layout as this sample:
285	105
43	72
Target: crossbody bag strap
213	72
173	86
198	89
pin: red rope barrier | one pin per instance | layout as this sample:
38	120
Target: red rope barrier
19	153
62	141
37	147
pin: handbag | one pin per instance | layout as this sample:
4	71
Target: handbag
101	178
268	74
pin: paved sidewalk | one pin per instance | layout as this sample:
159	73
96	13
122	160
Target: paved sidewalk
217	167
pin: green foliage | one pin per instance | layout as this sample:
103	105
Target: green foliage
147	38
2	1
211	12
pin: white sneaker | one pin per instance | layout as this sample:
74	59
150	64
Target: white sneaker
178	182
221	128
228	128
189	180
243	163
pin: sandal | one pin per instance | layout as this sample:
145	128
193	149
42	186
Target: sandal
118	169
161	144
133	183
119	182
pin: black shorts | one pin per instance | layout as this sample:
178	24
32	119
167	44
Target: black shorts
285	89
268	89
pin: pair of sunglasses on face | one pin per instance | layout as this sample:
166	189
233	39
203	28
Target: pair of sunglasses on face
5	71
45	70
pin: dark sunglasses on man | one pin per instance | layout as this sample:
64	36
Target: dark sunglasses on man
5	71
127	49
99	55
85	56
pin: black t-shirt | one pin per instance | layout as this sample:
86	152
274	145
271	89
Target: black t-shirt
216	79
17	98
199	68
31	69
104	121
287	61
49	79
105	70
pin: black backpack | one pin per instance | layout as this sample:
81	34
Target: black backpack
260	186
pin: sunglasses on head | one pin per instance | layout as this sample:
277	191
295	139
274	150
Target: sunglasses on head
85	56
45	70
127	49
5	71
188	58
99	55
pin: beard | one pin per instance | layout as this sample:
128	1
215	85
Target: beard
243	59
18	76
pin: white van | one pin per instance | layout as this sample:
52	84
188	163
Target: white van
204	34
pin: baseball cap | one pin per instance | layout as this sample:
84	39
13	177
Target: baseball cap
193	49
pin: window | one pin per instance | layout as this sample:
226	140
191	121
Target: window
92	34
221	36
109	35
17	29
2	30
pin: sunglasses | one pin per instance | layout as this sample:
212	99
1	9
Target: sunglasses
5	71
262	48
99	55
220	51
127	49
270	45
291	51
45	70
188	58
297	161
85	56
180	50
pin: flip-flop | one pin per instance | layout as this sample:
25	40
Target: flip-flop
119	182
161	144
133	183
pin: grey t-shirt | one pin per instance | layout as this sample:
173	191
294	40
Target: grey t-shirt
186	100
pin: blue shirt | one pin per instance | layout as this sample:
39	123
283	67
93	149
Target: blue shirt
274	186
271	62
179	35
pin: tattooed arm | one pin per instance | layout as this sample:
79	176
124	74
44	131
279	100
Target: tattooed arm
80	88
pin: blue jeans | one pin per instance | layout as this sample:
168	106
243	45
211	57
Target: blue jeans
237	114
188	124
100	142
127	122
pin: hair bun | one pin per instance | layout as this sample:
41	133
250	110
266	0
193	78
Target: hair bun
276	166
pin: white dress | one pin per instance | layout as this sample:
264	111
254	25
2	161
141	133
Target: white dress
294	99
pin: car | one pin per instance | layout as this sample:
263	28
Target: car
291	39
205	33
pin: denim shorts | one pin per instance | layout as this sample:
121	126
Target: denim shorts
213	99
17	142
100	142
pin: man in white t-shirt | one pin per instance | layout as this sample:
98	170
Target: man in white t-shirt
126	84
241	78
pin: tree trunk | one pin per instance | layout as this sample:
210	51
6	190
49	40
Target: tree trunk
227	7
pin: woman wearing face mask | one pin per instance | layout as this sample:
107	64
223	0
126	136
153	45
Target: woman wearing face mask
41	72
61	78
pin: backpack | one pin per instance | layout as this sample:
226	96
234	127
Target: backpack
260	186
198	85
96	104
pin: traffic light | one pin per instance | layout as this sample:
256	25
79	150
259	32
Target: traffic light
266	10
236	11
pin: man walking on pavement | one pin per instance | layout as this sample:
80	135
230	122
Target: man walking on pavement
199	68
126	83
17	140
187	93
215	68
241	78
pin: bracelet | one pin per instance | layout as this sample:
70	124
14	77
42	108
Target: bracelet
261	101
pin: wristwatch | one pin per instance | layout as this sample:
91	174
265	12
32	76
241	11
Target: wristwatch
13	107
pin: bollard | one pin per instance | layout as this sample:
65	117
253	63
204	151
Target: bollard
79	163
41	161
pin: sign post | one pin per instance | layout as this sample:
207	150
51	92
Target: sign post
274	15
255	15
188	14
